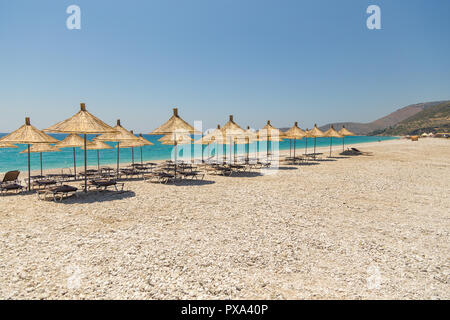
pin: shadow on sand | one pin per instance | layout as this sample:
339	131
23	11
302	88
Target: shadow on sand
94	196
189	182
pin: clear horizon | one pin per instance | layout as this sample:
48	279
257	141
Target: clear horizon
311	62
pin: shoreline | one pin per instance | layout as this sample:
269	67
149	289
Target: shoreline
282	153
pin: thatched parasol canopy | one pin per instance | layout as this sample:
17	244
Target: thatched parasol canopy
7	145
27	134
41	147
73	140
250	135
231	129
270	133
331	133
316	132
214	136
295	132
145	141
83	122
175	124
344	133
120	134
177	139
97	145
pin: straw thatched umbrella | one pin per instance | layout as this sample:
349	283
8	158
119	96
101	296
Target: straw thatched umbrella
72	141
97	145
83	122
295	133
133	144
215	136
175	126
28	134
344	133
270	134
315	133
120	135
145	143
7	145
231	133
331	133
250	136
307	135
40	148
174	140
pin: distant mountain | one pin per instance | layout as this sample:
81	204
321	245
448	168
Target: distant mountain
431	119
383	123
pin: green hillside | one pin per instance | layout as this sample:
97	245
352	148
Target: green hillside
433	119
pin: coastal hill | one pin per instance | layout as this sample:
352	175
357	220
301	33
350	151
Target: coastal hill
432	119
391	120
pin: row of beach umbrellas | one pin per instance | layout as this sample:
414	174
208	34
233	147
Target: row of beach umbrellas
175	132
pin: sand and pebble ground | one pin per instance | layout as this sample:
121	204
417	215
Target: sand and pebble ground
349	228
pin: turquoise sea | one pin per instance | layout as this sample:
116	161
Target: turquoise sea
12	159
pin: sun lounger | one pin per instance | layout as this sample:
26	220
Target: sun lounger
43	183
10	182
159	177
194	174
57	193
103	185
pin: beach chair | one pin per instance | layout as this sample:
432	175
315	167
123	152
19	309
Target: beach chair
57	193
159	177
193	174
104	184
10	182
43	183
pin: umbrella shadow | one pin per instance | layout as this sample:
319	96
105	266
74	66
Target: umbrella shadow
94	196
286	168
191	182
308	163
246	174
325	159
338	157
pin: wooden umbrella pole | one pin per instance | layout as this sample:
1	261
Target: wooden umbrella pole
331	142
306	145
132	155
234	151
343	143
141	156
290	147
257	151
85	163
74	164
29	169
201	145
315	147
118	152
175	171
295	140
98	160
231	143
41	162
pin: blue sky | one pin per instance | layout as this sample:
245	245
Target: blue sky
306	61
